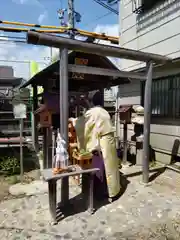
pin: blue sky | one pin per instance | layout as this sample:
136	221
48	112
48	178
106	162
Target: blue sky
45	12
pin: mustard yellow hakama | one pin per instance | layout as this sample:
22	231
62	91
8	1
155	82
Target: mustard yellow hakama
111	162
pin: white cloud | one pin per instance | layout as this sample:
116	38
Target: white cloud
19	56
11	52
20	1
108	29
42	17
3	37
111	30
29	2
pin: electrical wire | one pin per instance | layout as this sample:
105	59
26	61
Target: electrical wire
12	37
113	2
21	61
61	4
2	41
106	6
98	18
55	29
58	30
32	25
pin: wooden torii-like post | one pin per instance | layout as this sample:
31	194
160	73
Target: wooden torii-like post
65	44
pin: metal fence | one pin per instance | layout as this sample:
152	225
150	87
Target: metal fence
8	124
165	97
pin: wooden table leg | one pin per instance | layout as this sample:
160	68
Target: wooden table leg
52	199
64	190
91	193
85	185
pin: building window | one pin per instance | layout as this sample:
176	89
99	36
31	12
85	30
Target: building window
149	4
141	6
165	101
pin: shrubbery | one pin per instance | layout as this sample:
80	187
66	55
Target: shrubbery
9	165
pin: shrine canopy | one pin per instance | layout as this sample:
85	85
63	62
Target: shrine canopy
78	81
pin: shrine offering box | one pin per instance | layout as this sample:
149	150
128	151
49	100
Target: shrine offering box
125	112
83	161
45	116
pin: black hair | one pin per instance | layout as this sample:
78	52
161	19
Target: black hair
96	98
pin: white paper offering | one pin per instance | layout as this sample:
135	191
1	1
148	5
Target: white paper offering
19	111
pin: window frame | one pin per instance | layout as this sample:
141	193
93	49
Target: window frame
141	7
165	97
152	4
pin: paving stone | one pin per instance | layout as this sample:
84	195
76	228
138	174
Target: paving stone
140	213
33	188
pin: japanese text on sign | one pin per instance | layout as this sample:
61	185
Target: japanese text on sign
79	61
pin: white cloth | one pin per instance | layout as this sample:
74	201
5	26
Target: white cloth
62	156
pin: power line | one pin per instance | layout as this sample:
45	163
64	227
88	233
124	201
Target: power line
12	37
112	2
21	61
59	31
98	18
2	41
106	6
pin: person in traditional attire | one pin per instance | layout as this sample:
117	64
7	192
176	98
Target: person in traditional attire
95	133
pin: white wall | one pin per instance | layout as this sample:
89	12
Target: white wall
130	94
157	31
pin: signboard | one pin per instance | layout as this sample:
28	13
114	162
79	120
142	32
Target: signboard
19	102
79	61
19	111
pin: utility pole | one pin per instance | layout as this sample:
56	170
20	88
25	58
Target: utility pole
72	18
71	22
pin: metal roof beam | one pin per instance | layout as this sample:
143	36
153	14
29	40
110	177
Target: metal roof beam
99	49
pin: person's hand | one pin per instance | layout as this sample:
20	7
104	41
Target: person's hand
73	145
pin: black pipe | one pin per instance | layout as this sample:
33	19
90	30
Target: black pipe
99	49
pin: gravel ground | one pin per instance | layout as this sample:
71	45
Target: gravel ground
142	212
6	182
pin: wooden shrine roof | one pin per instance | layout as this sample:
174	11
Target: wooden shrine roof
49	77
